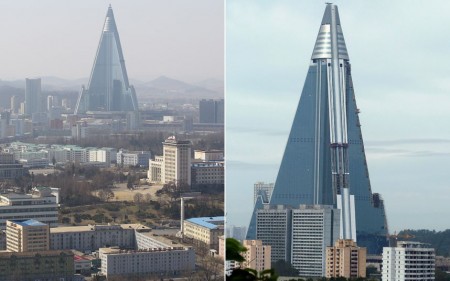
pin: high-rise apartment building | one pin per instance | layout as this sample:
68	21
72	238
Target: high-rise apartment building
257	255
211	111
108	88
33	95
324	160
408	261
345	259
176	161
27	236
274	229
299	235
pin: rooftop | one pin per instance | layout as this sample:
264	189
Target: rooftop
97	227
209	222
29	222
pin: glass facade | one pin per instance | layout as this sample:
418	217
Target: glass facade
305	174
108	88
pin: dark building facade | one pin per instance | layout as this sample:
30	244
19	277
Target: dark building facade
211	111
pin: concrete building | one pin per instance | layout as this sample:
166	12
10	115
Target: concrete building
314	227
27	236
133	158
92	237
177	161
257	255
212	172
33	99
208	155
32	266
41	207
170	261
9	169
211	111
345	259
155	254
408	261
299	235
155	169
206	230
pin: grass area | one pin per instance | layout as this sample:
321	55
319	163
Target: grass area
118	212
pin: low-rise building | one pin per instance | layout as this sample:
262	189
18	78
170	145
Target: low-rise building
92	237
41	207
170	261
208	155
133	158
155	254
346	259
208	172
31	266
206	230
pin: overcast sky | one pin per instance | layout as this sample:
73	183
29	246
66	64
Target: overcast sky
177	38
400	54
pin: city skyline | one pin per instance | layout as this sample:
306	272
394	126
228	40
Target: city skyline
399	101
171	38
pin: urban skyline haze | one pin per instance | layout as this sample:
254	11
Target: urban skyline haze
173	38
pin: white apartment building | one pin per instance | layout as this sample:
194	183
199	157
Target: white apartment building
208	172
177	161
299	235
170	261
314	228
41	207
133	158
155	254
408	261
104	155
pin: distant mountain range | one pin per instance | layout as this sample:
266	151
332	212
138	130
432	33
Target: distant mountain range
159	88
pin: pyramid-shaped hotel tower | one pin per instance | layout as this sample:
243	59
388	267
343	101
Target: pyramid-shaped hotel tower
108	88
324	162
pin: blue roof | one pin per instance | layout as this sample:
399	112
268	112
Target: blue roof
209	222
29	222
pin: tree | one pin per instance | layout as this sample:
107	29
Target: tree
233	250
284	268
148	197
138	198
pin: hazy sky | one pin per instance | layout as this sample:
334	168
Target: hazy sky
177	38
400	54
